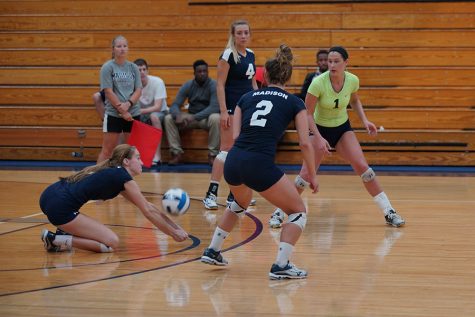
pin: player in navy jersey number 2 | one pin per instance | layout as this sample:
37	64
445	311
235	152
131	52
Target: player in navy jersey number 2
260	119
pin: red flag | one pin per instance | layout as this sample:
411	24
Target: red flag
146	139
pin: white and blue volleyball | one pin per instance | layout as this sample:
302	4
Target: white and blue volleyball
176	201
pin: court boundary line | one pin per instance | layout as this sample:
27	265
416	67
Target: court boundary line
253	236
195	243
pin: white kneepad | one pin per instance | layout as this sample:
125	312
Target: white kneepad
368	176
222	156
238	210
301	183
298	218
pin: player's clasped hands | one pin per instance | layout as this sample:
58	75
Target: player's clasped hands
179	235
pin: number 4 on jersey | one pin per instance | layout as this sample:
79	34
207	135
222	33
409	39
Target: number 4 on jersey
250	71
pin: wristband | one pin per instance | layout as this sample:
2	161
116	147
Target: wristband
131	103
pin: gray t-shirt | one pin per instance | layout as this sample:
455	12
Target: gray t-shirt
124	80
202	99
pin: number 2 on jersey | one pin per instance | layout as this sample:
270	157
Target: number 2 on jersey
261	122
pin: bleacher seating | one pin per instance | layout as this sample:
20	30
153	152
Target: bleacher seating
414	60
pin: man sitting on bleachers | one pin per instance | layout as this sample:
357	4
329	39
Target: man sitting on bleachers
203	113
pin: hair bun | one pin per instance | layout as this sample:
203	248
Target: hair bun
284	54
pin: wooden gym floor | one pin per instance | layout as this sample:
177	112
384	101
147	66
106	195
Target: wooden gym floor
358	266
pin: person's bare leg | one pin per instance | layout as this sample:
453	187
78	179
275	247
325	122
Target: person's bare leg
109	141
87	234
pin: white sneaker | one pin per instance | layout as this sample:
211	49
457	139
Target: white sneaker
277	219
213	257
210	202
393	219
290	271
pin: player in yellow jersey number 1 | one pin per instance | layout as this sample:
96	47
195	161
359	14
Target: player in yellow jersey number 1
327	99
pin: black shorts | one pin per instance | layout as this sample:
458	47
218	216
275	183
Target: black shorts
58	205
333	135
255	170
117	125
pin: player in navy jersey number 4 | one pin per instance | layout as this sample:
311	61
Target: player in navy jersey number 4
236	70
260	119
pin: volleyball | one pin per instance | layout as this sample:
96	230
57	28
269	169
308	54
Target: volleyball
176	201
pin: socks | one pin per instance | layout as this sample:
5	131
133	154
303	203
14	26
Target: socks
65	242
218	239
284	253
213	188
383	202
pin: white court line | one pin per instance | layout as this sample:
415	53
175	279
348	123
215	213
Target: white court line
29	216
403	200
326	199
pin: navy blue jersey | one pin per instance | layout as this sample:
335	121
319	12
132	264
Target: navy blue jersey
102	185
239	80
266	113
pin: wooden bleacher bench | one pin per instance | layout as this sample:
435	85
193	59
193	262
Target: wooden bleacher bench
143	7
170	57
369	76
371	97
414	60
389	147
292	21
263	39
404	118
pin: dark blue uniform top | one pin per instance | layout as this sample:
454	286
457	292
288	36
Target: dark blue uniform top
239	80
102	185
266	113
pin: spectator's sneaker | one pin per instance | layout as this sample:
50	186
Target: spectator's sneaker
393	219
213	257
253	202
277	219
156	162
48	237
210	202
290	271
176	159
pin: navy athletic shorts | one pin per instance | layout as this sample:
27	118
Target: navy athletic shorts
58	205
333	135
255	170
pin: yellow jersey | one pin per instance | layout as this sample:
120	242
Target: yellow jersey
330	110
